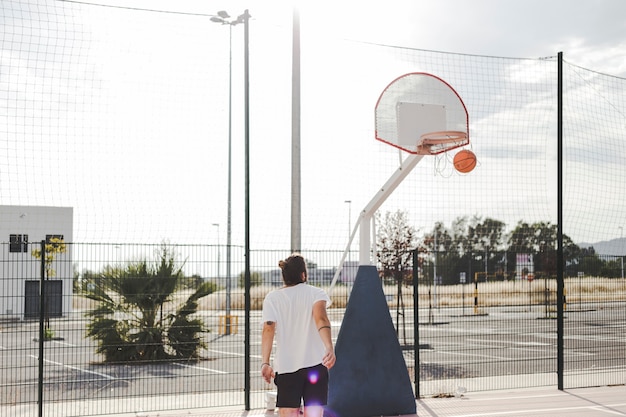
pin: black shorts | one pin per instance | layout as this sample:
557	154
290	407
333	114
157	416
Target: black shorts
308	384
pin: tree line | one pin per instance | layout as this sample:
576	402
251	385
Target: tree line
476	244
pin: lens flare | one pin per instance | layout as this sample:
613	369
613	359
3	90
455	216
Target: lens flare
313	377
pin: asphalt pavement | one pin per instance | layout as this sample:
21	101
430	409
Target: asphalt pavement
531	402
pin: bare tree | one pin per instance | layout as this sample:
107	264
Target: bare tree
396	239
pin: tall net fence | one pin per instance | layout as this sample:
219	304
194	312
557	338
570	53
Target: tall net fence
484	328
122	115
113	338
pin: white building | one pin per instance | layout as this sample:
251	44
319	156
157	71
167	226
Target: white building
22	229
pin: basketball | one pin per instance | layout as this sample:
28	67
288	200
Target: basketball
465	161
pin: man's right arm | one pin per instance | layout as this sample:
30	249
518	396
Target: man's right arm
267	340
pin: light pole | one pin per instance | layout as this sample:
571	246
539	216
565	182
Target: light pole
244	18
296	174
222	18
219	249
621	234
348	268
435	270
349	203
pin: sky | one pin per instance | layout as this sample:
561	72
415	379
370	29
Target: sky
145	159
591	33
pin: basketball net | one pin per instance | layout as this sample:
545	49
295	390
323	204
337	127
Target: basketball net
443	166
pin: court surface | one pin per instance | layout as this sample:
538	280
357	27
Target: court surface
534	402
587	402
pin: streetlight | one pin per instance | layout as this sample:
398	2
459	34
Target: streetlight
348	267
621	234
219	250
435	247
222	18
349	203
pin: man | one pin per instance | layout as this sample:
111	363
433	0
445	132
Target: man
296	315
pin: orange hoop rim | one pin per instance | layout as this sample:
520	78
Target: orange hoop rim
444	136
434	143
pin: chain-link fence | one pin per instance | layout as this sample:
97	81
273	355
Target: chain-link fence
478	330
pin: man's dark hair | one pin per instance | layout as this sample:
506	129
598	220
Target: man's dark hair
292	269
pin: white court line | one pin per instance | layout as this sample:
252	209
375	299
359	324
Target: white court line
241	355
570	353
530	397
595	338
591	337
63	343
473	354
518	397
548	411
532	343
528	349
200	368
75	368
482	342
525	347
226	353
596	369
474	342
113	378
451	329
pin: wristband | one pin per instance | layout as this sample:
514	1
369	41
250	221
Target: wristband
265	363
323	327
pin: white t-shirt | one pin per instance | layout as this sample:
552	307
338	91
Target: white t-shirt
298	343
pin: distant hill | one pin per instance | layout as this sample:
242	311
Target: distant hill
615	247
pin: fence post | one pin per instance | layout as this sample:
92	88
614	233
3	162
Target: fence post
475	293
42	307
416	339
560	261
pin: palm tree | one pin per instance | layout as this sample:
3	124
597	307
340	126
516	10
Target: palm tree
129	322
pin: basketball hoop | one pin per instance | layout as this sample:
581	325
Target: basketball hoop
434	143
421	114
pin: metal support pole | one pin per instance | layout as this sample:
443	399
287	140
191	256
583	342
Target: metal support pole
230	168
416	338
222	18
560	285
296	205
246	18
476	293
42	313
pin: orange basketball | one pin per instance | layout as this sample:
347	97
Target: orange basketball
464	161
